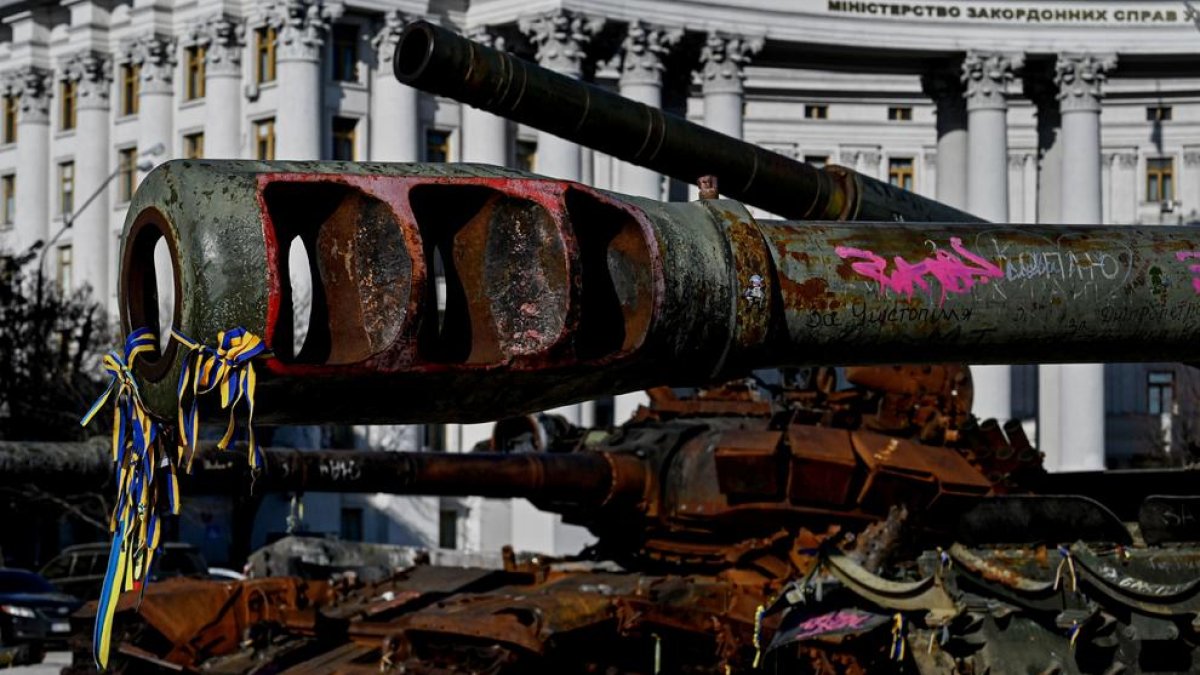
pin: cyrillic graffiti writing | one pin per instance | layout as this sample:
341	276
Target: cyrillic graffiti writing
955	272
1012	14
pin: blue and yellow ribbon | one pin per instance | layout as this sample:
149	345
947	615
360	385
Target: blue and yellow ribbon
138	455
899	642
228	369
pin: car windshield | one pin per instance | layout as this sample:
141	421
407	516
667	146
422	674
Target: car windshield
17	581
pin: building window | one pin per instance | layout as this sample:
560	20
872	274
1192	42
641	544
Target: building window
437	145
527	155
818	161
448	528
264	139
8	192
193	145
816	112
67	105
1158	113
195	73
1160	392
1160	179
64	268
344	138
126	174
352	524
345	53
66	188
900	172
264	50
131	75
10	119
900	114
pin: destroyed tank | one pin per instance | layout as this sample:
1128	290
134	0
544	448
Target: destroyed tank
801	527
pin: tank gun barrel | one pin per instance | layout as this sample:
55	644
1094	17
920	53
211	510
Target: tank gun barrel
581	479
439	61
555	292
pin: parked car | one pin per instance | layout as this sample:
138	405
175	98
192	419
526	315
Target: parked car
224	574
79	570
33	616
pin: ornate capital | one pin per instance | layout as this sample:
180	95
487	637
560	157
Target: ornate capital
870	158
1080	77
91	72
301	26
986	75
1191	156
222	39
156	59
1126	160
931	158
642	52
723	59
385	39
1017	160
488	37
561	37
31	86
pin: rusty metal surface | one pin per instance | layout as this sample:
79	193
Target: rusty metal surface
557	292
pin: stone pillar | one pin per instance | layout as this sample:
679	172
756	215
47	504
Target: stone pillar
1040	89
1107	160
642	53
223	40
32	86
1191	174
560	36
1124	187
1081	411
1016	187
927	184
945	87
986	77
155	57
722	64
301	26
1029	178
484	135
395	108
90	237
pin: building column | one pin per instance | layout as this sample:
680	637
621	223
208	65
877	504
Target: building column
395	107
1039	88
485	137
642	53
31	86
560	37
945	87
301	26
1016	187
91	240
1191	179
1081	411
986	77
223	40
1124	188
155	57
723	59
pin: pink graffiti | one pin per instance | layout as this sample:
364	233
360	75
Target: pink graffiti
951	271
833	622
1195	269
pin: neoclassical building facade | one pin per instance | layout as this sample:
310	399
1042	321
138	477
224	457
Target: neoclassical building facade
1066	111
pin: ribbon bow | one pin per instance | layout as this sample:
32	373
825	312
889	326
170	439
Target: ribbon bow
137	453
228	369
